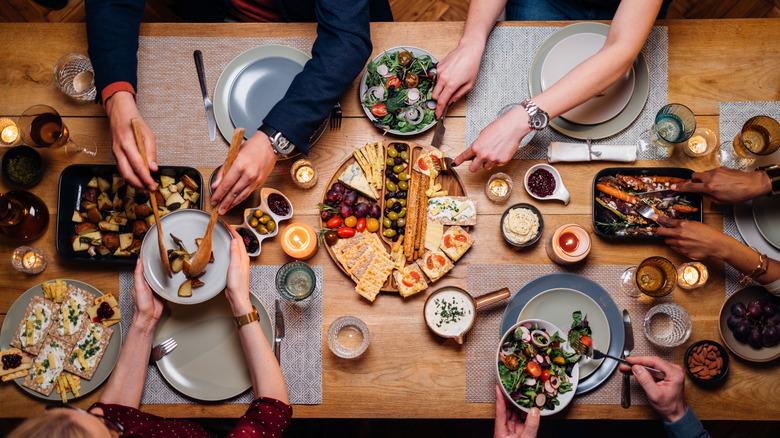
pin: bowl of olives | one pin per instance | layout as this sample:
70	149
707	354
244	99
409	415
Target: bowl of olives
263	221
750	324
397	178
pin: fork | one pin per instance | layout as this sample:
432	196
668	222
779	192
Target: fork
335	116
593	353
163	348
647	212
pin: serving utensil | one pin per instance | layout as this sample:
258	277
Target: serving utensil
210	120
438	134
628	345
598	355
279	332
647	212
203	254
163	348
139	142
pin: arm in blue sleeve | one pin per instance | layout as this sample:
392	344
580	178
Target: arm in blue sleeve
688	426
112	34
339	53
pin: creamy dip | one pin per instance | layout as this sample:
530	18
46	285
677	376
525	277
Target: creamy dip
449	312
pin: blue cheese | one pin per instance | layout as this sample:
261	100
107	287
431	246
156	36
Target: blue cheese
354	178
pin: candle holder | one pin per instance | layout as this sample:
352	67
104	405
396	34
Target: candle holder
702	143
303	173
692	275
28	260
9	132
299	241
499	187
295	281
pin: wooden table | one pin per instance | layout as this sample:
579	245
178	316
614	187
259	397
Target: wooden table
407	372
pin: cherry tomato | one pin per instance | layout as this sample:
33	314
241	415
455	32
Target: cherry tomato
422	164
586	340
350	221
393	82
411	80
404	57
545	375
533	369
345	232
448	241
372	225
440	260
360	225
334	222
429	262
331	237
411	278
379	109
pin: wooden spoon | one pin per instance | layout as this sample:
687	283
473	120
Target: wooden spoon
139	142
202	256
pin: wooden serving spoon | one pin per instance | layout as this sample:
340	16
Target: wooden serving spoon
139	142
202	256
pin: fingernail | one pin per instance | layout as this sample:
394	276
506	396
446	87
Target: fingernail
534	412
637	370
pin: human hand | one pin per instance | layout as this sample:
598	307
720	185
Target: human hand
498	142
237	291
121	108
508	423
666	396
148	308
254	163
727	185
457	73
695	240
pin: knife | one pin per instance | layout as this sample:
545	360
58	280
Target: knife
438	135
212	123
628	345
279	332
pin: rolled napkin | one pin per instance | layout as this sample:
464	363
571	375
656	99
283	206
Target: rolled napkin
560	151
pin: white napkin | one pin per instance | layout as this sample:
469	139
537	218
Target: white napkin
560	151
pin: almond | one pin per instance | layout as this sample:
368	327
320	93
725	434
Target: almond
711	356
696	369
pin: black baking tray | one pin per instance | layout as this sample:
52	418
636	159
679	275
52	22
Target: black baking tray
600	214
73	180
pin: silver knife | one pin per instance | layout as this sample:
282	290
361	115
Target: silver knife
438	135
279	332
628	345
212	123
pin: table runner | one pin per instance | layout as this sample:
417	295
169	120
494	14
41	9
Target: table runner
503	79
169	95
482	340
301	348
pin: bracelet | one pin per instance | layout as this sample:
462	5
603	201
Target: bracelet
773	172
763	265
248	318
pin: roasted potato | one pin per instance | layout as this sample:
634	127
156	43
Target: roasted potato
111	241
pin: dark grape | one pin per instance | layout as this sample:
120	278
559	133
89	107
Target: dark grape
376	211
350	197
768	309
742	331
362	209
339	188
326	215
345	210
333	196
733	321
773	320
770	336
738	309
755	338
754	310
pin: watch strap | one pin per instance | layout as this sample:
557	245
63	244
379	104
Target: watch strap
773	172
247	318
538	119
280	144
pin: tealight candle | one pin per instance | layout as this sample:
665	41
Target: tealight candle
28	260
299	241
9	132
303	174
692	275
499	187
569	244
701	143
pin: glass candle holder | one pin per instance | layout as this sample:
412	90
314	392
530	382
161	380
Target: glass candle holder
75	77
692	275
303	173
295	281
667	325
28	260
499	187
348	337
702	143
9	132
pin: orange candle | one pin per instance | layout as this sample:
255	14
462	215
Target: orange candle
299	241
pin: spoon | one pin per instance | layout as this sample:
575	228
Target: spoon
139	142
203	254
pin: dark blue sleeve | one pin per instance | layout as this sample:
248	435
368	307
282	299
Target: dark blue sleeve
112	34
339	53
688	426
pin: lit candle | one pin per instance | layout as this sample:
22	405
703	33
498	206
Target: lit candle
28	260
303	174
499	187
692	275
9	132
569	244
299	241
701	143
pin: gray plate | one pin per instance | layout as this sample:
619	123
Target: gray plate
592	290
743	218
611	127
208	364
14	316
766	215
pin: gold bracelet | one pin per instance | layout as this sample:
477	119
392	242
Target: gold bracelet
763	265
248	318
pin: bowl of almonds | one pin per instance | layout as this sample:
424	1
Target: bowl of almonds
707	363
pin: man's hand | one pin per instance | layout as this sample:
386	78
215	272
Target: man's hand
237	290
508	424
254	163
121	108
498	142
667	396
457	73
148	308
695	240
727	185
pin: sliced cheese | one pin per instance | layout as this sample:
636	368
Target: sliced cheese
52	360
433	233
354	177
80	357
65	321
29	328
39	314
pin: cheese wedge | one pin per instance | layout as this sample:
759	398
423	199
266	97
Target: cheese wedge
354	178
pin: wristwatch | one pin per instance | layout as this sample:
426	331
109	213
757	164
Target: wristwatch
248	318
538	119
282	146
773	172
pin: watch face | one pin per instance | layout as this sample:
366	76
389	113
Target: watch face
539	120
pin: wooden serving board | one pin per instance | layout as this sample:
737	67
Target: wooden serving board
452	183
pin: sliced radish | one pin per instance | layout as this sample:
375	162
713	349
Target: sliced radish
555	382
539	359
522	333
412	95
431	104
382	70
540	338
540	400
548	388
377	92
530	381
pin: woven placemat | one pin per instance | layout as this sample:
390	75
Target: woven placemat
503	79
169	96
734	114
482	340
301	348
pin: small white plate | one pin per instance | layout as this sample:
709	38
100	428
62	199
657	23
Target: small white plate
187	225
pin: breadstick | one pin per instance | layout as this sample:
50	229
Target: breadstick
411	212
422	223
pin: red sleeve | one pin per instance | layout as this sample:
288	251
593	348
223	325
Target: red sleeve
114	88
266	417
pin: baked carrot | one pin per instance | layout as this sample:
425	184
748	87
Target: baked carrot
682	208
667	179
616	193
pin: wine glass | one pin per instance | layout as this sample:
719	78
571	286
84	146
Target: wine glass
655	277
42	126
759	136
674	123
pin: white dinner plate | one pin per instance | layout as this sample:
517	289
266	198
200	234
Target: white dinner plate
743	217
766	215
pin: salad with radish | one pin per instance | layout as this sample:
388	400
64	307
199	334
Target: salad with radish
534	368
398	88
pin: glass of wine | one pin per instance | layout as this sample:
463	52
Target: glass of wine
42	126
759	136
674	123
655	277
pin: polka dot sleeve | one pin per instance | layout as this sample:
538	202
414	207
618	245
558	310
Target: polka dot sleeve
137	423
266	418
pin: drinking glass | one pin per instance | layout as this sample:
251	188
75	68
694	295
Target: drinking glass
42	126
348	337
667	325
295	281
674	123
75	77
759	136
655	277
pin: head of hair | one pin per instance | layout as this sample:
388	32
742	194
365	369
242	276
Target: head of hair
50	424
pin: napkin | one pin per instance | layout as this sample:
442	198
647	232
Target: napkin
560	151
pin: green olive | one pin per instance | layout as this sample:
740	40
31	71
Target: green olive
387	223
399	168
390	162
392	215
389	232
390	186
400	222
402	202
264	219
402	213
390	202
404	155
270	226
262	229
403	185
403	176
391	152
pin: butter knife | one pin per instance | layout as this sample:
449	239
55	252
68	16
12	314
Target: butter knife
438	134
212	123
628	345
279	332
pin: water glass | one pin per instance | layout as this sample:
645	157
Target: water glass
667	325
295	281
674	123
348	337
75	77
759	136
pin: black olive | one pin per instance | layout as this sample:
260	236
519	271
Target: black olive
395	238
389	171
401	194
397	207
398	160
400	147
388	210
401	230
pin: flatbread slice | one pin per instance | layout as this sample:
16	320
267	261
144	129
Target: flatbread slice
71	320
435	264
410	280
88	351
47	366
38	319
14	355
455	242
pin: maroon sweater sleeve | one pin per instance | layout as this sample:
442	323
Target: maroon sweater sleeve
266	417
137	423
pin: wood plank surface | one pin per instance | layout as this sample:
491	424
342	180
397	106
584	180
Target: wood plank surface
407	372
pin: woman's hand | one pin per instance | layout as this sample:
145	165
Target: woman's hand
508	423
254	163
695	240
727	185
148	308
667	396
121	108
237	291
457	73
498	142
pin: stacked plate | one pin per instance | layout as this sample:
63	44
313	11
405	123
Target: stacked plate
758	223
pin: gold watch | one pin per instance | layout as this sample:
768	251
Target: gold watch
248	318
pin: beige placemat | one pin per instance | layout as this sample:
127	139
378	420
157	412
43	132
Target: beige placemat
482	340
169	96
